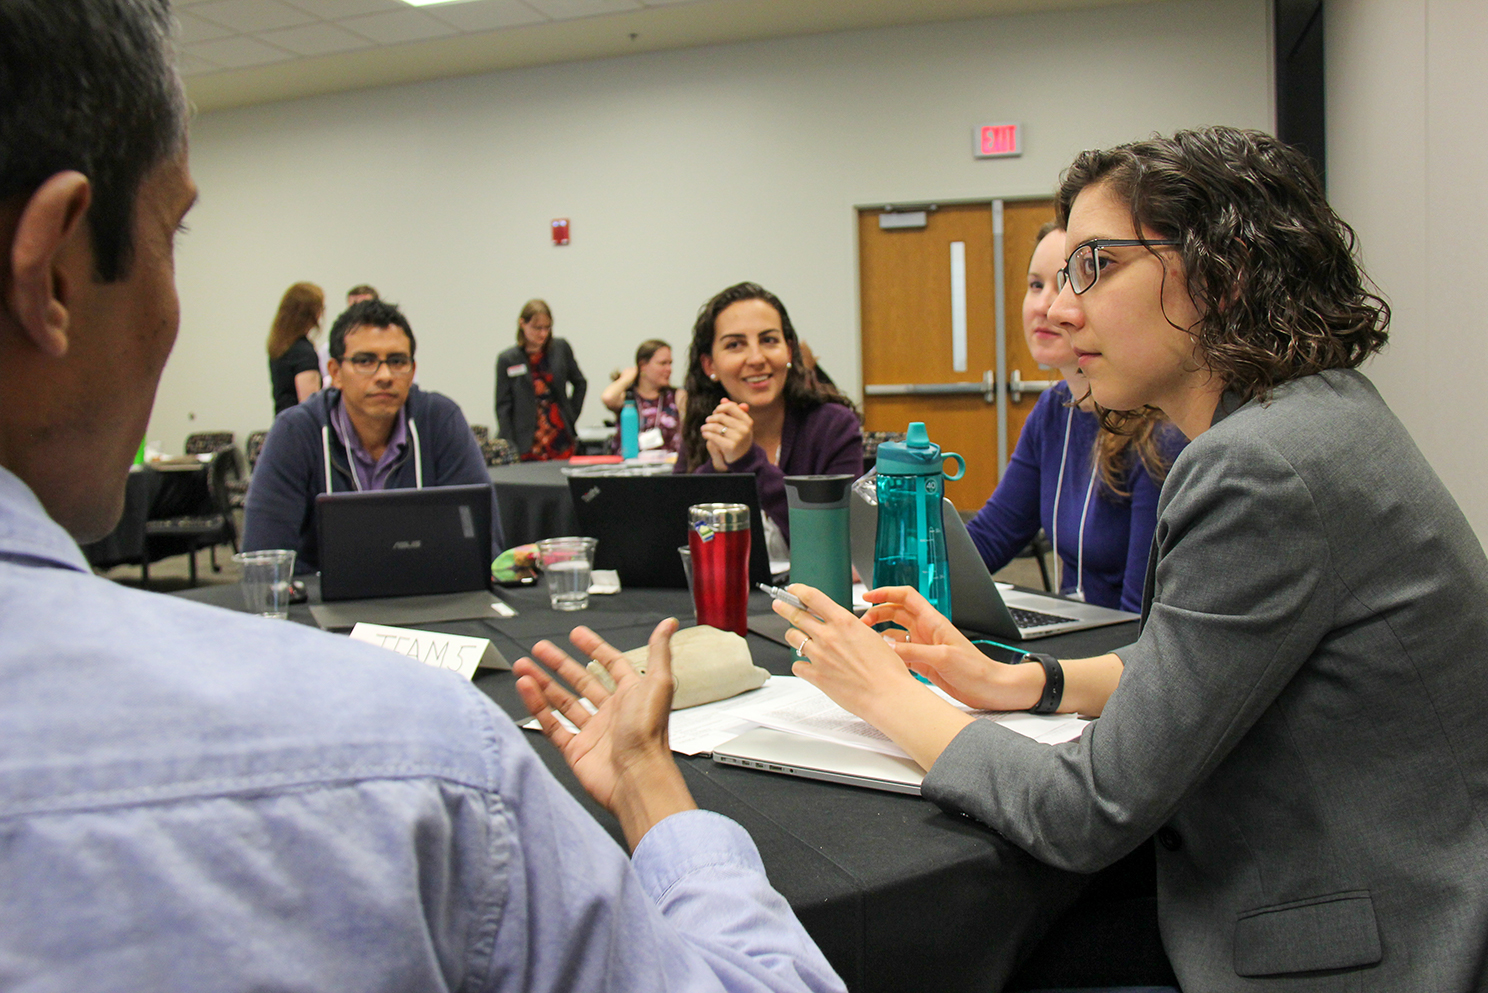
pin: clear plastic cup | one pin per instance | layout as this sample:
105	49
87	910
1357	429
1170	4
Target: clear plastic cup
267	579
567	563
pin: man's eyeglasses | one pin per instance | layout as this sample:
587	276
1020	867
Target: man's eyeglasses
367	364
1083	267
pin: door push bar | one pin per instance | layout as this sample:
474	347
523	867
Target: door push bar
1016	387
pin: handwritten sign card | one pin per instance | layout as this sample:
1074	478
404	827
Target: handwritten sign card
442	651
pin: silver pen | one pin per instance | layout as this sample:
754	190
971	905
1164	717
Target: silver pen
785	596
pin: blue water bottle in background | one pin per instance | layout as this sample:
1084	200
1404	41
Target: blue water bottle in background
910	549
630	430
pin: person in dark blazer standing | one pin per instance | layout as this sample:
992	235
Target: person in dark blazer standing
539	389
1302	723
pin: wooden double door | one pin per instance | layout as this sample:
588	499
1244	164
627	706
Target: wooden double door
942	329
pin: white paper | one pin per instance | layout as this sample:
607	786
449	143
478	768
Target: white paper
801	708
442	651
604	581
503	608
698	730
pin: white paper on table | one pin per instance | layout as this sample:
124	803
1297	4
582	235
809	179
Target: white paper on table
700	729
604	581
801	708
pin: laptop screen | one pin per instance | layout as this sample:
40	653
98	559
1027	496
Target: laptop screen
641	521
404	542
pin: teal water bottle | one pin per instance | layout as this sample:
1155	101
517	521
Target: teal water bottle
910	549
630	430
820	538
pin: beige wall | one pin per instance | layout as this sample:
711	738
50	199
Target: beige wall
1407	145
682	172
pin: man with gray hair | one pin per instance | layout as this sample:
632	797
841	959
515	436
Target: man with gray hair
185	802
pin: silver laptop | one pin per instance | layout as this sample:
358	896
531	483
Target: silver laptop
976	602
811	758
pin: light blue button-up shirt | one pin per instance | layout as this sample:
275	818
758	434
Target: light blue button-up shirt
195	799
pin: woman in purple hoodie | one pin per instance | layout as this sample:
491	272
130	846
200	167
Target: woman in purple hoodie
752	406
1093	492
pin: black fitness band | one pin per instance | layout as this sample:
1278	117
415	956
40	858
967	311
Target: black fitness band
1053	683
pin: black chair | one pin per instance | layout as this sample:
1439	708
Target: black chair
210	527
1038	549
496	451
253	446
238	488
205	442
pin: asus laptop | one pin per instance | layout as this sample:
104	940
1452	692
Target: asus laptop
399	543
641	521
977	604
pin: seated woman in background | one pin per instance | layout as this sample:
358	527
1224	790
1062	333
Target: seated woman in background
294	368
1093	492
539	389
751	407
1303	719
649	384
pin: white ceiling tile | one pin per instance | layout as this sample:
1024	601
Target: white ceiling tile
190	65
192	29
238	53
252	15
336	10
315	39
398	26
567	10
486	15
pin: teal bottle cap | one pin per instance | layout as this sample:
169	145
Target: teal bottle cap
916	455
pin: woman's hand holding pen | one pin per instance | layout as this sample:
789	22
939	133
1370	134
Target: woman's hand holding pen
728	432
936	650
852	664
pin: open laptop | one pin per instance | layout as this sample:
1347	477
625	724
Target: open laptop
977	604
398	543
812	758
641	521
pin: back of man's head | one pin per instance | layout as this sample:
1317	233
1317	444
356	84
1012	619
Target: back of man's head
88	85
366	314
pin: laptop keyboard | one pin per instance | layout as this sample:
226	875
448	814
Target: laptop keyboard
1026	619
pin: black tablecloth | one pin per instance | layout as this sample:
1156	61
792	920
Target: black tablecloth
149	494
900	895
534	501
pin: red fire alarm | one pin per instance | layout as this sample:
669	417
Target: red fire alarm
560	231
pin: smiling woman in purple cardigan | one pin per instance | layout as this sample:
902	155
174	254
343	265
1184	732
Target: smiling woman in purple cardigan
752	406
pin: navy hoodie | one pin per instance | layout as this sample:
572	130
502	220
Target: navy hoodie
291	469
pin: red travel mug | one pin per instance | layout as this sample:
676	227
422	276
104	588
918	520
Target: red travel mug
718	538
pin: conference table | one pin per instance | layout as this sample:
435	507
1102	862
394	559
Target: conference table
899	894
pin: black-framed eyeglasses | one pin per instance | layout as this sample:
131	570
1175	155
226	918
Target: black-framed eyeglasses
367	364
1083	267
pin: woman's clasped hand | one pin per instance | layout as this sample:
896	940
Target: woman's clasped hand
728	432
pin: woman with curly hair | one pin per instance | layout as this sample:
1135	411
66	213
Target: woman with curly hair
1303	720
752	407
1093	492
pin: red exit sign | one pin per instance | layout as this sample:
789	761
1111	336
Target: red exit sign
995	141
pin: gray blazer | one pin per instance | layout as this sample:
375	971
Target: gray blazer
516	403
1303	721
